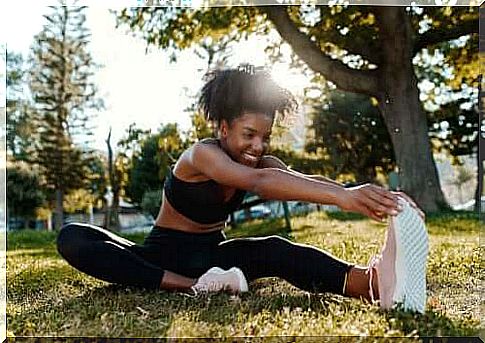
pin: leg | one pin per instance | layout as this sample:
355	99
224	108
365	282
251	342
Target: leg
306	267
106	256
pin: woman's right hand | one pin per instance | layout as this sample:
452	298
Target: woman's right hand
369	200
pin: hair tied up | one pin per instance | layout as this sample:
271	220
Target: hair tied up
246	68
250	69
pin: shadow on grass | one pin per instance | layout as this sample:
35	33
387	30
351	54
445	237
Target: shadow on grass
32	282
93	314
430	324
345	216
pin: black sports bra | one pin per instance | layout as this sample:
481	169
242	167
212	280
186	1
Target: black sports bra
202	201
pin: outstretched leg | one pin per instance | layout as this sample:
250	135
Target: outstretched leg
106	256
304	266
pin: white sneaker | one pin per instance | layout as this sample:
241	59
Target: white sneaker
217	279
401	266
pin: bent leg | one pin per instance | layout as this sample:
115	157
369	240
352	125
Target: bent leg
106	256
304	266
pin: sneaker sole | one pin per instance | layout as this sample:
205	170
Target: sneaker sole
243	284
411	255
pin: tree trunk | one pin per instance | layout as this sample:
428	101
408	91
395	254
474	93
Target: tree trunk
113	220
402	112
115	216
59	209
479	189
481	143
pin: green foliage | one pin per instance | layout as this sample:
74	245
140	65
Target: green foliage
95	179
455	128
350	130
175	29
201	128
308	163
78	201
21	136
151	202
158	152
24	194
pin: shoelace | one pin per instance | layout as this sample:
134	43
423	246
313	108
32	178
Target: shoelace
370	270
212	286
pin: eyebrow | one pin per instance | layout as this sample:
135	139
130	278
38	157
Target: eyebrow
250	129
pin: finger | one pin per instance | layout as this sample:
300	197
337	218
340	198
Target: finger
385	193
368	213
378	206
412	203
407	198
377	216
382	197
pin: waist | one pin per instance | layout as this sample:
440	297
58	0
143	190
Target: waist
197	231
161	233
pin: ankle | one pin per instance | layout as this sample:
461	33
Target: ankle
358	284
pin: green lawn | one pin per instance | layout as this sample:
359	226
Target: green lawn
46	297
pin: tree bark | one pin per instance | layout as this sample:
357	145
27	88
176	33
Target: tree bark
480	152
403	113
112	213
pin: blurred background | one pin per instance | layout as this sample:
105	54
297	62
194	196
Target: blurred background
100	102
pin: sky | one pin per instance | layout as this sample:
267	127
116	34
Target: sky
137	87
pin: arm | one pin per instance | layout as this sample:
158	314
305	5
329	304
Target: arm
279	184
269	161
268	183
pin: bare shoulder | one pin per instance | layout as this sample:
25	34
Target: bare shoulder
205	151
213	141
212	162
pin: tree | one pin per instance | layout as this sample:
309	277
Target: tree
112	216
463	176
158	153
350	130
24	194
20	115
360	49
63	93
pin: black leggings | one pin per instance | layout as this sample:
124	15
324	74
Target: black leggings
106	256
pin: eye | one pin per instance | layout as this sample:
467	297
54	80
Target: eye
248	135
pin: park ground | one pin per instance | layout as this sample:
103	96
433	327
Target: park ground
46	297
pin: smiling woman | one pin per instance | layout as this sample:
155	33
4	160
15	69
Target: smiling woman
187	249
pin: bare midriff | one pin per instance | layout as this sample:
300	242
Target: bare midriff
168	217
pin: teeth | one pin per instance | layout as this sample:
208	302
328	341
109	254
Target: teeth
250	157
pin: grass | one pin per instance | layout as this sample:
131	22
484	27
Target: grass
46	297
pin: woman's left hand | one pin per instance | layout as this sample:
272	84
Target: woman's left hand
412	203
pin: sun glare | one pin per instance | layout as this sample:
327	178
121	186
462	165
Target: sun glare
289	78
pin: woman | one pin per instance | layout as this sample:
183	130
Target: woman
187	249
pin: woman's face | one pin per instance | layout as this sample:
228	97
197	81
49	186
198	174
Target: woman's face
246	139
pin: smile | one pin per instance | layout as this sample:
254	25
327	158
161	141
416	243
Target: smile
249	157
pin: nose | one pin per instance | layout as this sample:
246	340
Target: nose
258	146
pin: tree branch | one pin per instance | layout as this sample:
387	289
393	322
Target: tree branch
366	51
352	80
444	34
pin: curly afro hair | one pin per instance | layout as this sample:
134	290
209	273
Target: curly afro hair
228	93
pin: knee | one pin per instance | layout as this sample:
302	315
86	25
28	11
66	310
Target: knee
69	239
276	242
